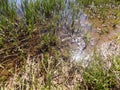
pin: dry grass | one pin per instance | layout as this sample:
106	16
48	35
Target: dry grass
43	73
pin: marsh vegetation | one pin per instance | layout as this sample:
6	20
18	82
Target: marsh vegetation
36	38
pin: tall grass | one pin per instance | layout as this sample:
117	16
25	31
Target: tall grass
34	13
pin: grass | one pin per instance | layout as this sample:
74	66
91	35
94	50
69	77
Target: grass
100	74
44	73
30	51
104	14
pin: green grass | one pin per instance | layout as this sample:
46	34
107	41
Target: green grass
99	75
13	29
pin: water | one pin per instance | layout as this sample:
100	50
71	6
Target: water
18	7
75	36
16	1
